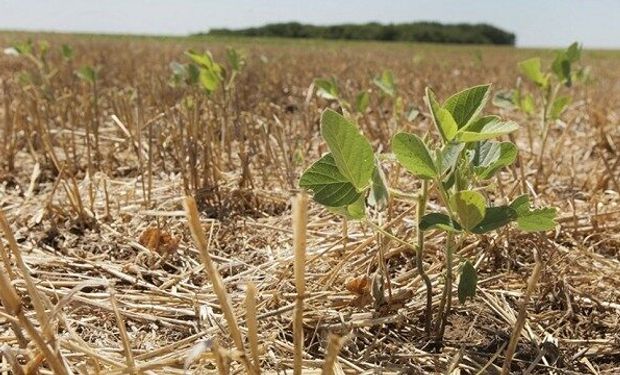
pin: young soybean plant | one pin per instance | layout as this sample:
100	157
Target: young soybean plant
548	99
457	168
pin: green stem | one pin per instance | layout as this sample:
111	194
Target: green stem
446	298
420	209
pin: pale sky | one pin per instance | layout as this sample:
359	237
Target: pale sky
540	23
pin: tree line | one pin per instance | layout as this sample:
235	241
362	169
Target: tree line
430	32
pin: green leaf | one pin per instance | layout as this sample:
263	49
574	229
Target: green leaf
466	105
386	83
527	104
235	59
531	68
436	220
470	207
329	186
379	194
205	60
351	151
87	73
327	89
361	101
486	128
533	220
447	122
559	105
413	154
573	52
354	211
491	156
561	67
435	108
67	52
467	282
495	218
209	80
450	155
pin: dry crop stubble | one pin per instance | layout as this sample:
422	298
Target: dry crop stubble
79	231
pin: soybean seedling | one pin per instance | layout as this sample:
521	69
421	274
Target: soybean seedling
456	168
551	96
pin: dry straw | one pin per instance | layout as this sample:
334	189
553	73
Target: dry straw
219	288
300	222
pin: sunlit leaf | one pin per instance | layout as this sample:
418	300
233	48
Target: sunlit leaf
351	151
329	186
467	104
470	207
413	154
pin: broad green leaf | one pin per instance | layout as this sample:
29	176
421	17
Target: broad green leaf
379	194
327	89
354	211
361	101
436	220
573	52
87	73
533	220
521	204
561	67
205	60
559	105
531	68
470	207
351	151
209	80
491	156
447	122
329	186
537	220
67	52
386	83
467	282
434	108
467	104
450	155
527	104
486	128
495	218
413	154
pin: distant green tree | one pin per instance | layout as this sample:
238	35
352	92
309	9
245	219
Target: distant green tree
430	32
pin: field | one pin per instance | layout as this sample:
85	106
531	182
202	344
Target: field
97	246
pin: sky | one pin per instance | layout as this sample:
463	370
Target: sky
537	23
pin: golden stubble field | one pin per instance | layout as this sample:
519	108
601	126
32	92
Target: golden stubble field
104	274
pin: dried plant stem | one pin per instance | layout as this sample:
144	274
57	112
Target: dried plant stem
334	344
516	332
252	323
12	304
300	221
131	365
37	302
202	243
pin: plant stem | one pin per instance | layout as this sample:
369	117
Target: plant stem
547	102
421	208
446	298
